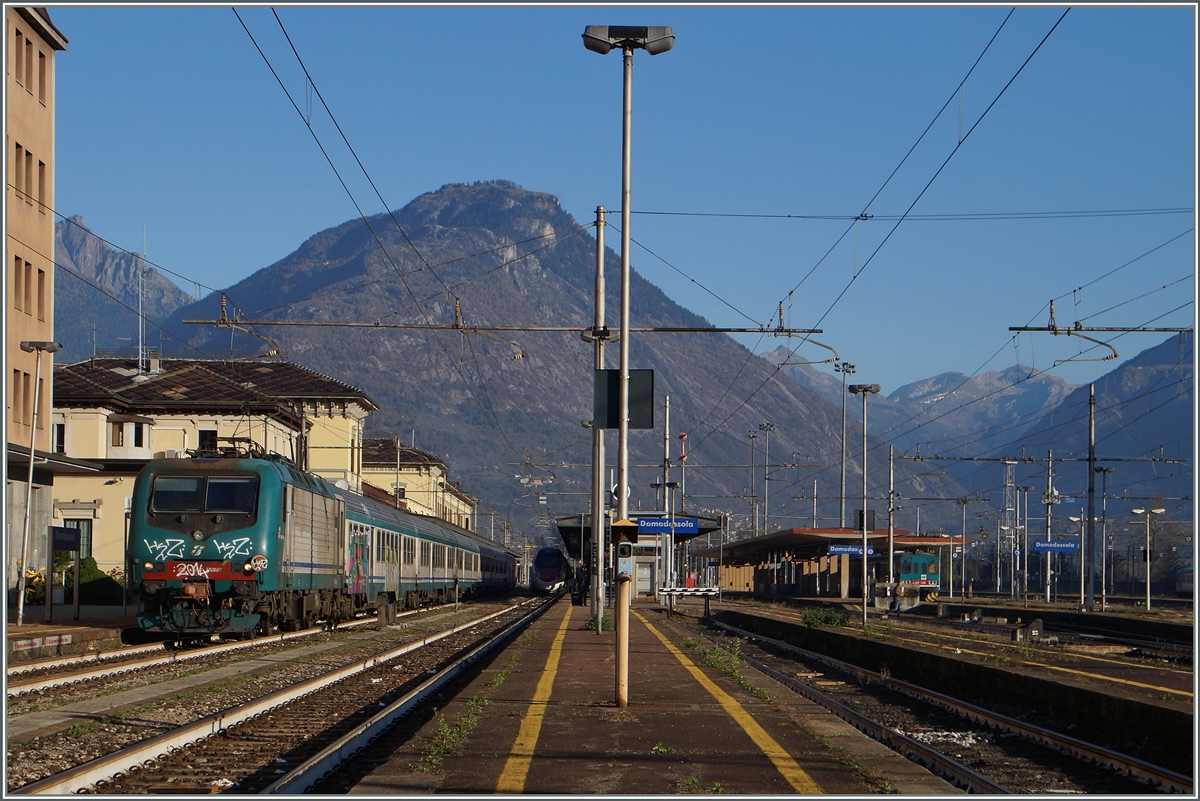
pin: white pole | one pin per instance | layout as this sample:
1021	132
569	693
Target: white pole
37	392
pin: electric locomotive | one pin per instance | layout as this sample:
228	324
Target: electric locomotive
551	571
918	574
244	543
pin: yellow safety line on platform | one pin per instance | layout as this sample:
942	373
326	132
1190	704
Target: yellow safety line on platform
800	781
512	778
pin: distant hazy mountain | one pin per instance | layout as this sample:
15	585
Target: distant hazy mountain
84	263
950	413
1144	409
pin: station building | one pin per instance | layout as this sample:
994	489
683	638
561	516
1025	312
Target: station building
812	562
118	417
416	480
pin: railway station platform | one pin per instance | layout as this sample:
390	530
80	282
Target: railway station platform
98	627
541	718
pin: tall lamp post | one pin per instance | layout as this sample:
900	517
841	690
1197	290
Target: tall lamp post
766	428
1104	471
845	368
864	390
1148	512
37	348
654	40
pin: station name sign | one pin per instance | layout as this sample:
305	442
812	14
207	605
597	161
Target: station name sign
853	550
1044	546
655	525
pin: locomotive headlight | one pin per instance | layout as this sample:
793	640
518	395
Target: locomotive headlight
160	567
197	535
247	568
147	566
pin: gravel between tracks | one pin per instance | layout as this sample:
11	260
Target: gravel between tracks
44	756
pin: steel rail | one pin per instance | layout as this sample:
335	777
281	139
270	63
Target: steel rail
106	767
960	775
306	775
1160	777
20	668
21	688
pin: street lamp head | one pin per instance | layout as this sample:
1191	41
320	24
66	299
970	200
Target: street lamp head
48	347
653	39
1157	511
844	367
855	389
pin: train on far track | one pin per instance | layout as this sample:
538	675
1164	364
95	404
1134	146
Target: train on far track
919	574
551	571
1184	587
235	541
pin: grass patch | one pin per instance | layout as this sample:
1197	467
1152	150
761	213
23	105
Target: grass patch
659	748
447	740
824	618
608	624
728	662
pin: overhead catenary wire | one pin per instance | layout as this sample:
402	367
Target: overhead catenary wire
495	420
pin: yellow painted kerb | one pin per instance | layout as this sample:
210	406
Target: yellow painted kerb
791	770
516	768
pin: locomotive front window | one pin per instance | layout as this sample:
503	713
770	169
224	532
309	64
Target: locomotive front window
547	559
234	495
931	568
177	494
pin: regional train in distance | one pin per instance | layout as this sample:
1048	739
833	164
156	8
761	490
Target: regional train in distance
551	571
239	542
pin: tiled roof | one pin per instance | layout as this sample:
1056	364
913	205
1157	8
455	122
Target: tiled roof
382	451
197	383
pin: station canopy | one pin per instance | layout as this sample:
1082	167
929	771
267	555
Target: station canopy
809	543
577	529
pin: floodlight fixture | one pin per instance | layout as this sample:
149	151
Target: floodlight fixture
654	39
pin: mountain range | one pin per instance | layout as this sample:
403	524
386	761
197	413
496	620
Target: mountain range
446	293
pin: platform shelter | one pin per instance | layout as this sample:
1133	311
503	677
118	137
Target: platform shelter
811	562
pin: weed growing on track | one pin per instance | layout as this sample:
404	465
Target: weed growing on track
659	748
729	663
447	740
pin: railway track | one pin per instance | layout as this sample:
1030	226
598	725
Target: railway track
49	674
959	741
284	740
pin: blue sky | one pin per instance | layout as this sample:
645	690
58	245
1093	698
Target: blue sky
169	117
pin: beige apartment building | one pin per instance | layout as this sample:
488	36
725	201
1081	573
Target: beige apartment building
30	44
417	481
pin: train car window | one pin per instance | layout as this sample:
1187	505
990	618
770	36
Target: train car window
410	551
931	568
177	494
426	548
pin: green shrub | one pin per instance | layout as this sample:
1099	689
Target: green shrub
96	586
818	618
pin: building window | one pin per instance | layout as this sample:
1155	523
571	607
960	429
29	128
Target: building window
60	437
208	439
28	177
138	435
18	283
28	288
41	76
118	435
19	167
85	536
27	399
18	48
16	397
41	295
41	195
28	65
41	410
